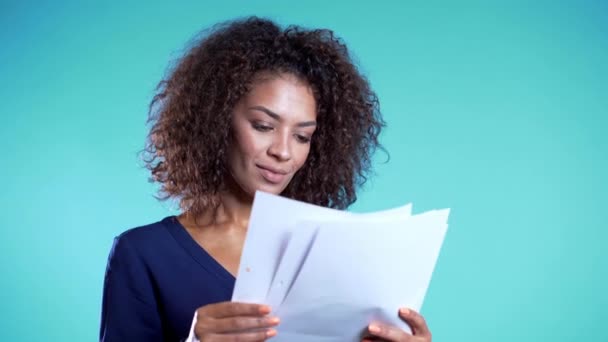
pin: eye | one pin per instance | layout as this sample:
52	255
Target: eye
302	139
261	127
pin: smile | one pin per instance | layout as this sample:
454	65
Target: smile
272	175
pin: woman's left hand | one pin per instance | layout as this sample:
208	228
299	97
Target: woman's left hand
385	332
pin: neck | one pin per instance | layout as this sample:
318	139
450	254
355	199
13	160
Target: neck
233	211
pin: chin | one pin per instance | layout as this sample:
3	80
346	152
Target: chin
275	190
250	186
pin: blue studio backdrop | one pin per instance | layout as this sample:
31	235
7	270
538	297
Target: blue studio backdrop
495	109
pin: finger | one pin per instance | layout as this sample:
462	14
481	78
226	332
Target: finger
235	324
231	309
416	322
256	336
368	338
388	332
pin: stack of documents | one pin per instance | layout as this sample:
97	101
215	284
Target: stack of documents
328	273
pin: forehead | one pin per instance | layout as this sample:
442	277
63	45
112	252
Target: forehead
284	94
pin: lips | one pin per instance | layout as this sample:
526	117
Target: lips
272	175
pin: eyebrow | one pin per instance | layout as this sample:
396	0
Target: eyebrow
278	117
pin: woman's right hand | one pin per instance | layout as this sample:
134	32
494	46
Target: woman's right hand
230	321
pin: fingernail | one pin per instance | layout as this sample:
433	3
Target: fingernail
374	328
273	320
264	309
404	311
271	332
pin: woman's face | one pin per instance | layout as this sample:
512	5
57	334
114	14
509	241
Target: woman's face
272	128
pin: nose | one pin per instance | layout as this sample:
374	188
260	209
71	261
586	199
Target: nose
280	147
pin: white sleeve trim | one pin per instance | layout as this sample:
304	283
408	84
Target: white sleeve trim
191	336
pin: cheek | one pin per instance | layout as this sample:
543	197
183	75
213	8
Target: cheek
247	144
301	156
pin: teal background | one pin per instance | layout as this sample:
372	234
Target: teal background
495	109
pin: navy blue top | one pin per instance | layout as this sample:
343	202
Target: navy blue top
156	277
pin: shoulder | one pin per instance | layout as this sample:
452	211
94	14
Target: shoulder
147	233
143	239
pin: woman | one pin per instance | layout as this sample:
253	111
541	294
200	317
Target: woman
249	107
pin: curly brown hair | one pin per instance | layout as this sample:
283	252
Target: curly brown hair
190	114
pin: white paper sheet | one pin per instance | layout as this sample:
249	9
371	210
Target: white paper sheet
293	258
273	219
355	274
328	273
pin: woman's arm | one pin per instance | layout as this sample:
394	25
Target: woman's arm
129	308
